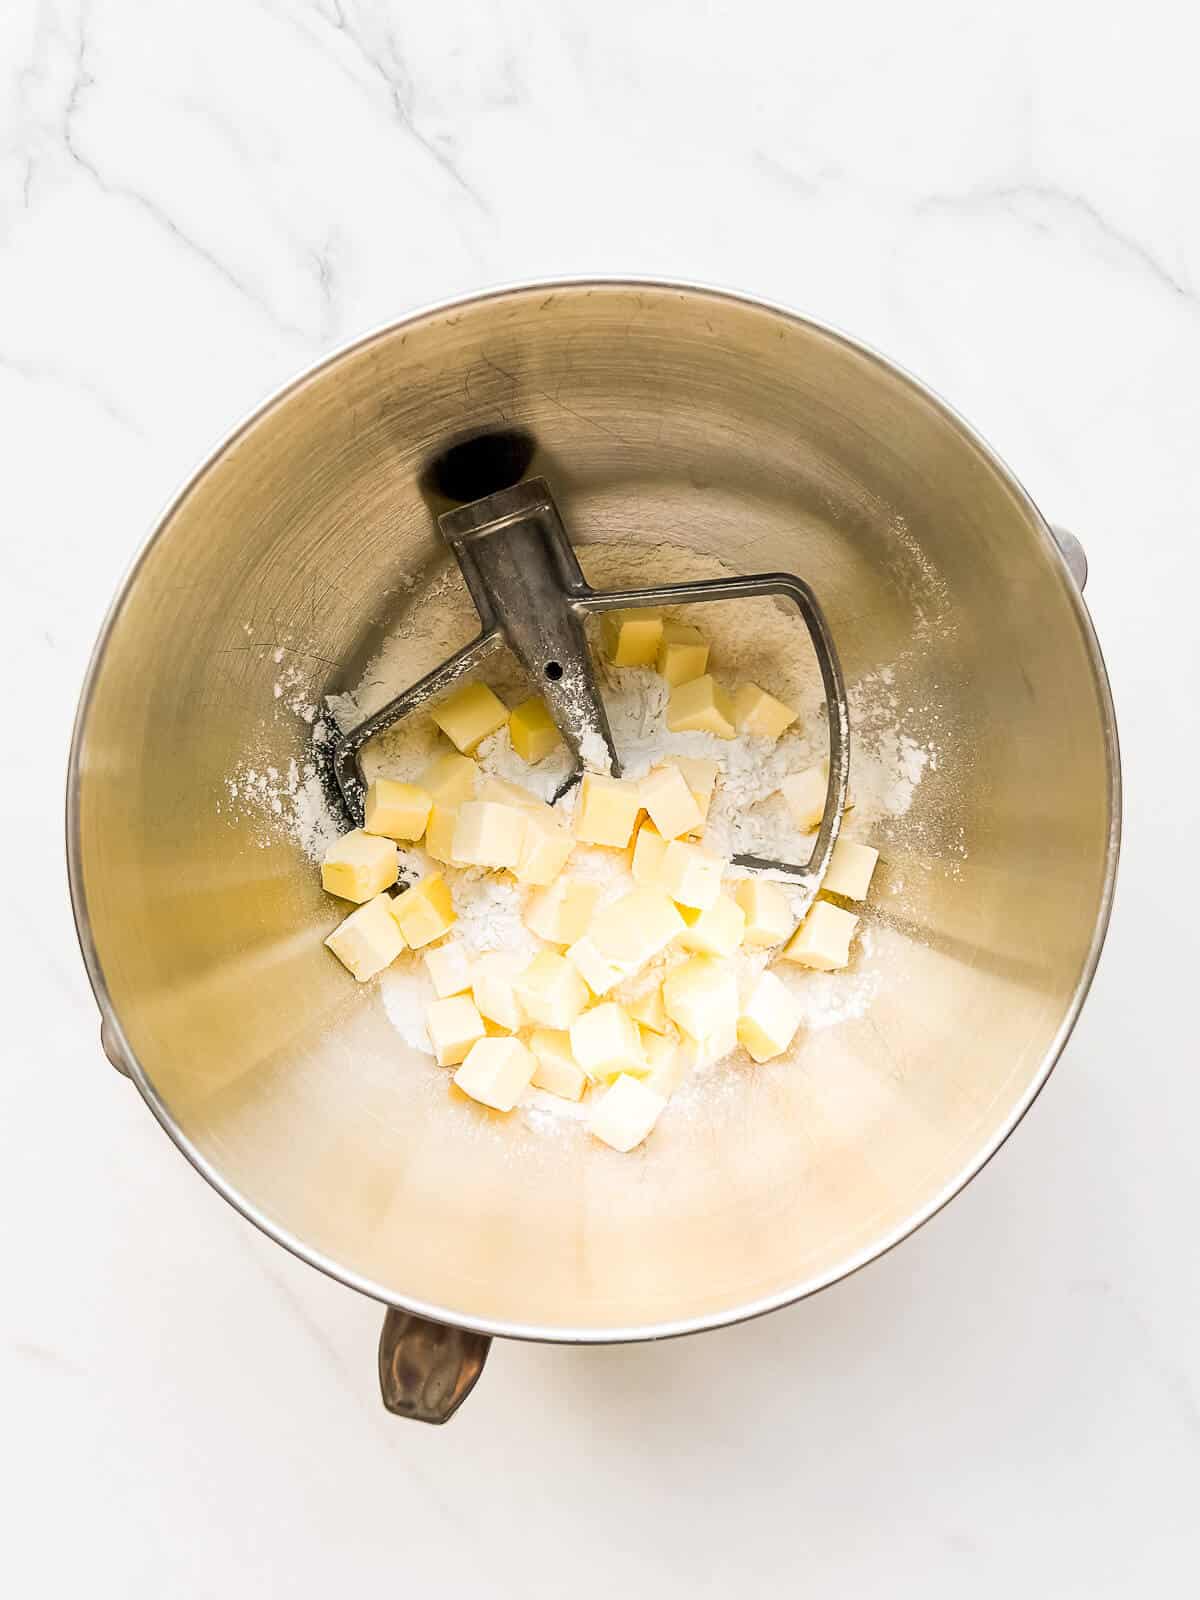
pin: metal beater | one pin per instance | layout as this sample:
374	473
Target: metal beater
531	594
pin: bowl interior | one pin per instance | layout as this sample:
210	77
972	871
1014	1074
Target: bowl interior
682	432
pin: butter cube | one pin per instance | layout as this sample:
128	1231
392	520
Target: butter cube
488	834
765	907
449	969
510	794
545	849
532	730
397	810
493	983
626	1114
469	715
668	1064
649	848
605	1041
670	802
769	1018
608	809
759	713
425	912
439	832
823	939
691	875
805	796
715	931
557	1069
551	992
715	1046
449	779
359	865
560	913
363	942
701	778
632	638
597	971
701	706
851	868
682	653
453	1026
701	996
647	1009
496	1072
635	928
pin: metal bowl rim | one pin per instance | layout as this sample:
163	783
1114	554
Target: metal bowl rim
680	1326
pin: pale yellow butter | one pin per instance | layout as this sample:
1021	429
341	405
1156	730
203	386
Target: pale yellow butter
449	779
649	848
765	907
632	638
690	875
769	1018
368	939
561	912
851	868
449	969
759	713
557	1069
608	809
424	912
453	1026
545	849
359	865
397	810
715	931
668	798
701	996
533	731
805	796
496	1072
597	971
488	834
626	1114
822	940
605	1041
493	983
701	706
551	992
682	652
634	929
469	715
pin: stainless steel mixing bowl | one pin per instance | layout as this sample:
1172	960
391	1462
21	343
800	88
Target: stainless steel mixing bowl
659	413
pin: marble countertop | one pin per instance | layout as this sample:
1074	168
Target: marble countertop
196	202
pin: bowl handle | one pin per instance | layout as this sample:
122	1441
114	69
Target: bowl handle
1072	553
427	1369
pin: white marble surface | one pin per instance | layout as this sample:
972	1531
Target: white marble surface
196	201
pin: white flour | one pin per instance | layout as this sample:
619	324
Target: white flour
761	640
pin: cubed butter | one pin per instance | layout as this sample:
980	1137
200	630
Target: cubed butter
496	1072
605	1041
608	809
449	779
670	802
701	776
632	638
560	912
557	1069
488	834
667	1063
439	832
364	943
532	730
626	1114
597	971
449	969
425	912
453	1026
647	1009
545	849
713	1047
769	1018
634	929
759	713
510	794
701	996
715	931
682	652
493	983
469	715
805	796
396	810
649	848
823	939
765	907
851	868
701	706
690	875
551	992
359	865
